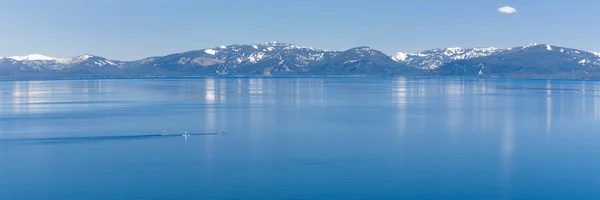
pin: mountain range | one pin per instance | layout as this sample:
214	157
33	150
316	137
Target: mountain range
282	59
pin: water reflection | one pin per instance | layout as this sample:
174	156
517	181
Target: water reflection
256	86
508	135
210	98
400	92
399	98
223	90
454	105
548	108
495	134
209	90
256	91
35	97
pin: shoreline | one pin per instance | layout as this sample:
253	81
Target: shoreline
290	76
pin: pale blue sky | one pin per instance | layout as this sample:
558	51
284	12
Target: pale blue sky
133	29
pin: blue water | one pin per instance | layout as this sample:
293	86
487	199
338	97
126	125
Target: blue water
300	138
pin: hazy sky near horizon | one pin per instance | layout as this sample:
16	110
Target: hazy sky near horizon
134	29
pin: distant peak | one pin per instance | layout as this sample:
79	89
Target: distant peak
531	45
84	56
362	48
282	45
453	48
400	56
538	45
210	51
275	43
32	57
81	58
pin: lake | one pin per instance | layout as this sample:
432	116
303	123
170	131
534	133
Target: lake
300	138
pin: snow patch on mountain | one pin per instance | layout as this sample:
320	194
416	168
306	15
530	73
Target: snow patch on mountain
101	63
210	51
32	57
80	58
291	46
255	57
39	57
316	57
530	45
400	56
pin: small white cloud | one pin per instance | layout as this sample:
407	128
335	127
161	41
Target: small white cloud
507	9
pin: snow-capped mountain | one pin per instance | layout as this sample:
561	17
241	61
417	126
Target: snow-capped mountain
362	61
534	60
274	58
32	57
257	59
432	59
38	61
36	65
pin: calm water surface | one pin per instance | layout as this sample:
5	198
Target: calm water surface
300	138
